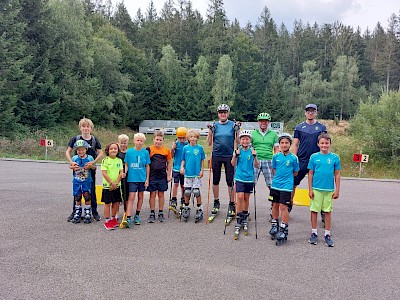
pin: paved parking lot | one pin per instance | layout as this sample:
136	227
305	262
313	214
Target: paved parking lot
44	257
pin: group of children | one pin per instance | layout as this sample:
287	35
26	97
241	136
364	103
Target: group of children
127	173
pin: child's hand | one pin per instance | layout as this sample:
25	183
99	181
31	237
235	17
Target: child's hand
88	165
146	183
182	171
169	178
253	151
311	194
123	175
335	195
173	145
73	166
237	152
113	186
201	174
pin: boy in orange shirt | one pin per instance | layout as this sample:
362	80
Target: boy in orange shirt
160	175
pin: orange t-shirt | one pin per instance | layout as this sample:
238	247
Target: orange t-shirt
159	158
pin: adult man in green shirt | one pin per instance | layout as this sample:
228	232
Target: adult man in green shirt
265	142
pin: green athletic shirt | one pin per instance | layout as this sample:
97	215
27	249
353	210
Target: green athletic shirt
112	166
264	144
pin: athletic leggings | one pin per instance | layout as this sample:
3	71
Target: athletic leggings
217	163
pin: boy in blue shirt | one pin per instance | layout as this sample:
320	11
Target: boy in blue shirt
323	186
178	178
245	160
192	168
81	164
285	166
137	165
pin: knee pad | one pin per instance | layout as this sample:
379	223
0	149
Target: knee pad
87	196
77	198
196	192
188	192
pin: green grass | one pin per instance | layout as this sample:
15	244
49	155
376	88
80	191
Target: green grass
27	146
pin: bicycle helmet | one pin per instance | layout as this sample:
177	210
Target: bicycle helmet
181	132
264	116
245	133
223	107
81	144
285	135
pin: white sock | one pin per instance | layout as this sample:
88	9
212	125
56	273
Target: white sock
314	231
327	232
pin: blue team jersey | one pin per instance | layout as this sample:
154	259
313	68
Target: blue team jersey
245	166
224	139
193	156
285	166
82	175
137	161
178	154
324	166
308	138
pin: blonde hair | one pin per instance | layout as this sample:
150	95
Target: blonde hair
139	135
158	133
123	137
87	121
193	132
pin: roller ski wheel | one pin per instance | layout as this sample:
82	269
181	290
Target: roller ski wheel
236	233
280	242
228	220
213	216
246	229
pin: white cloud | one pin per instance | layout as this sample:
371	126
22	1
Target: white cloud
363	13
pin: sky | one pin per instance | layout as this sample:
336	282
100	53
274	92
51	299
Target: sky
363	13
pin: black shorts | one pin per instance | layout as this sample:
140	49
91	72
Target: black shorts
217	163
281	197
178	177
300	175
136	187
244	187
160	185
111	196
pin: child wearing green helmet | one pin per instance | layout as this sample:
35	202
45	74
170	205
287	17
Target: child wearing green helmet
82	181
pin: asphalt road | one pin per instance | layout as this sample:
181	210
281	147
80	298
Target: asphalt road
44	257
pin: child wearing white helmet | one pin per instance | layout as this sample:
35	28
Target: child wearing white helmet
285	166
245	159
82	181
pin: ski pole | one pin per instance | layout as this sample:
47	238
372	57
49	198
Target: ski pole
209	177
255	209
170	196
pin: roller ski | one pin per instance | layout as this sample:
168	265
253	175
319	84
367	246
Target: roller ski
231	214
237	231
173	205
179	211
186	213
245	224
199	215
88	215
281	236
77	214
214	211
274	231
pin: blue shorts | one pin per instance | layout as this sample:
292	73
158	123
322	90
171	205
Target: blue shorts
160	185
78	188
136	187
281	197
244	187
178	177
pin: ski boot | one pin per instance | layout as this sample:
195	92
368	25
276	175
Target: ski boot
172	205
281	236
186	213
179	213
214	211
199	215
77	214
88	215
245	224
273	231
231	214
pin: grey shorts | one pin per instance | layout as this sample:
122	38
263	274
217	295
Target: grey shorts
266	168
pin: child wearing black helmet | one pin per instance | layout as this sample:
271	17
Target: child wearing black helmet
82	180
285	166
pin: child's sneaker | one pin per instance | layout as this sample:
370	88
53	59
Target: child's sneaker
328	241
152	218
161	217
313	239
137	220
114	222
109	225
